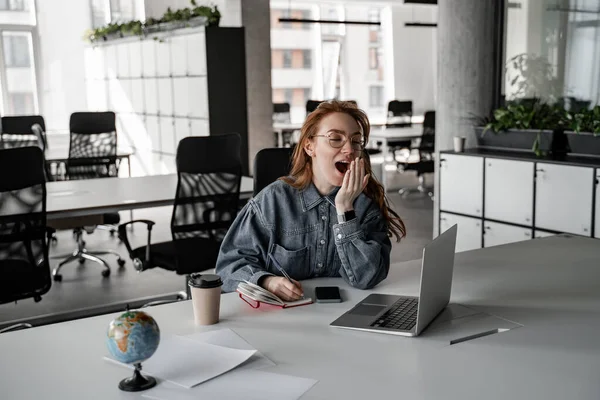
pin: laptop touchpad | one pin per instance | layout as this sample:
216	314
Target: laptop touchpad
370	310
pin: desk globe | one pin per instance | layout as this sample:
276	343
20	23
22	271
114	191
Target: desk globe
132	338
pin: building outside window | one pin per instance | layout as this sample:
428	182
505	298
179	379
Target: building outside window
14	5
111	11
307	59
16	51
373	58
375	96
288	95
287	58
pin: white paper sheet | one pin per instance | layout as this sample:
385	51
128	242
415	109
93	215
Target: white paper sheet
246	384
228	338
187	362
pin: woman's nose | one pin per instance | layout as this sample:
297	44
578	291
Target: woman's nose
347	147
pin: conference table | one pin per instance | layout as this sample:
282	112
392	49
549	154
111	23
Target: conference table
57	152
385	135
80	198
543	293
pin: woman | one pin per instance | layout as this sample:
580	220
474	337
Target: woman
330	217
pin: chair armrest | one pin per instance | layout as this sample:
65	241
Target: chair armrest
122	232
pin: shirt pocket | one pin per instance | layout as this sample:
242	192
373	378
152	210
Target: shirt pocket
294	262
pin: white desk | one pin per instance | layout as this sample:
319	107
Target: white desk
550	285
385	135
280	127
95	196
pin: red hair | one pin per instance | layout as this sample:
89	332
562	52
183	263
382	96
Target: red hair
301	172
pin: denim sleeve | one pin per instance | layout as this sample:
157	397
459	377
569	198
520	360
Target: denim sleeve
244	249
364	249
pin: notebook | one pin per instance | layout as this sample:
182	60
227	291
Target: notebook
254	292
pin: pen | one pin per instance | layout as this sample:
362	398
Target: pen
280	268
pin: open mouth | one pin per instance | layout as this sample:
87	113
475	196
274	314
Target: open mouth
342	166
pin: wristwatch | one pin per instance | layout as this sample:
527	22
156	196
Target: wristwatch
347	216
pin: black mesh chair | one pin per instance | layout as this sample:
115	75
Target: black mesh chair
311	105
281	114
24	263
269	165
399	116
209	172
426	163
92	154
23	131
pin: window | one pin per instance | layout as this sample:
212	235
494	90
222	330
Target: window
107	11
16	51
13	5
307	92
374	17
373	58
307	58
20	104
287	58
375	96
306	15
285	14
288	95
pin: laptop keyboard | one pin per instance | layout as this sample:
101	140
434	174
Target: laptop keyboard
401	315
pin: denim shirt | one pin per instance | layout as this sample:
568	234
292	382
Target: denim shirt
299	229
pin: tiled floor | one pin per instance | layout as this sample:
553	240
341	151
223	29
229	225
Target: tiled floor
83	287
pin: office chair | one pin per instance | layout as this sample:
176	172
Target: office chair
281	114
400	116
18	131
92	154
311	105
426	164
269	165
209	172
24	237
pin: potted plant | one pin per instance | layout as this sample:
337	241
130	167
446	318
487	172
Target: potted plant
584	132
521	125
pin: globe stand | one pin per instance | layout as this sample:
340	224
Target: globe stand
137	382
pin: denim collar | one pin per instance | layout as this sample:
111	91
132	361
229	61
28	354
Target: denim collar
310	197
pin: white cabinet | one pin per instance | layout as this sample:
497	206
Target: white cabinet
468	236
597	223
563	199
509	191
495	234
461	184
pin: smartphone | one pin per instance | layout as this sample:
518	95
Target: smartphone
328	294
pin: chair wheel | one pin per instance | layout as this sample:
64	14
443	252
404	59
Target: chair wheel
57	278
121	262
81	260
106	273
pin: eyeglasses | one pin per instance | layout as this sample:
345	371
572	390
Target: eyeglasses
338	140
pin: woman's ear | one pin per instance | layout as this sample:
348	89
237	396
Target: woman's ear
309	147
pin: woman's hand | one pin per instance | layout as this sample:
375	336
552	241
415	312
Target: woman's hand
353	184
283	288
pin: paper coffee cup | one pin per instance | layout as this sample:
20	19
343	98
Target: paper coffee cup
459	144
206	297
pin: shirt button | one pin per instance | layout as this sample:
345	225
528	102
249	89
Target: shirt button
324	218
339	236
320	265
322	241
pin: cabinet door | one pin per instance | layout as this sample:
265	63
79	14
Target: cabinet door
163	58
509	191
597	224
563	199
495	234
468	236
461	184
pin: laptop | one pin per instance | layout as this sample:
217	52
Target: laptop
409	316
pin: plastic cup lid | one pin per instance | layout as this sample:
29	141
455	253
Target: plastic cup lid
205	281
